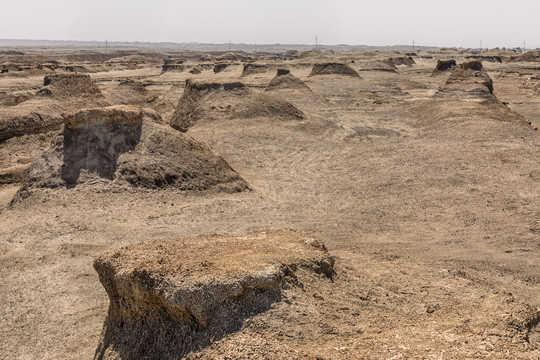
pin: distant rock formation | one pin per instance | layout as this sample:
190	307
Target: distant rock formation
444	65
173	65
468	94
377	65
171	297
490	58
469	79
42	113
333	68
252	69
129	92
207	58
209	101
285	80
234	56
529	56
220	67
402	60
70	86
126	145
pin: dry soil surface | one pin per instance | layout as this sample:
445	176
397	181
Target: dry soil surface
430	205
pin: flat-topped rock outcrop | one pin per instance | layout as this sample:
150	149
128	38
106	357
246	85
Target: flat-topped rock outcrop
333	68
210	101
128	145
170	297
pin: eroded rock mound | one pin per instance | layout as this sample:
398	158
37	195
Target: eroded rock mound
173	65
170	297
129	92
207	58
126	145
378	65
332	68
469	79
220	67
402	60
29	119
215	100
252	69
529	56
13	99
42	113
490	58
444	65
468	94
133	85
70	86
234	56
285	80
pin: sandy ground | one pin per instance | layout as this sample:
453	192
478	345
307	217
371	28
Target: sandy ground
434	221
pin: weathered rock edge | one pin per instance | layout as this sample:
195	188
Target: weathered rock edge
170	297
211	100
332	68
128	145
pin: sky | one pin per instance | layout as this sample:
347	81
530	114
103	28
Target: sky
456	23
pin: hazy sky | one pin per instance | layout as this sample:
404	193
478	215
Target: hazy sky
388	22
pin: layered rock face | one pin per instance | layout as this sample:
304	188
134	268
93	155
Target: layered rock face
444	65
252	69
61	92
128	145
170	297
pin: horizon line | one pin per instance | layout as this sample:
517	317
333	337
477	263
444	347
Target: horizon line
109	42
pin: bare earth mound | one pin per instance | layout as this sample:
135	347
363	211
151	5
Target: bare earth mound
233	56
443	66
173	65
252	69
529	56
214	100
29	118
170	297
69	86
126	145
61	92
129	92
220	67
378	65
332	68
402	60
468	93
133	85
471	80
285	80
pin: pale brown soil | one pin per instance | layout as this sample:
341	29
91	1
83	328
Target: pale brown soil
429	204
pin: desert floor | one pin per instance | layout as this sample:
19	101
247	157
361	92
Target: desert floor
431	207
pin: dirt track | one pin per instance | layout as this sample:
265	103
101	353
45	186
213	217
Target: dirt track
431	207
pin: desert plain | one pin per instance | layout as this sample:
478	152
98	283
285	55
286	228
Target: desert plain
173	204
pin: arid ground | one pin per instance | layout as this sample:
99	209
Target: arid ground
423	185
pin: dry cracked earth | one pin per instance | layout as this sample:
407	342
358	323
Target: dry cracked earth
423	185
